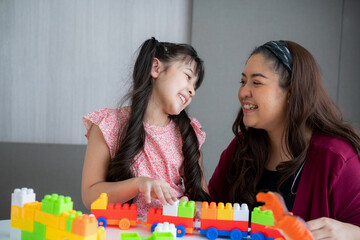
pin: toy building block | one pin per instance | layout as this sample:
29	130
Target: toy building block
186	209
171	210
84	225
161	236
56	204
166	227
130	236
15	234
224	213
21	196
101	202
262	217
208	212
241	213
292	227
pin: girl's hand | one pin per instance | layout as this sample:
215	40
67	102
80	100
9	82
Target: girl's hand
156	188
327	228
184	198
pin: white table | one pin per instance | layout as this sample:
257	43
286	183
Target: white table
111	232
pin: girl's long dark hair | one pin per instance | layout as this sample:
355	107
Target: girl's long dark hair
132	137
309	107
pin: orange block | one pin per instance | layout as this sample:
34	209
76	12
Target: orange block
208	212
85	225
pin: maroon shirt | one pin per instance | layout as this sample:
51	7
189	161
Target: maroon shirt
329	184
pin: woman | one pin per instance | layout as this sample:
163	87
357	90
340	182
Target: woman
290	138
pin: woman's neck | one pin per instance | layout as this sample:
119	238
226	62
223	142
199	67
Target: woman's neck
278	152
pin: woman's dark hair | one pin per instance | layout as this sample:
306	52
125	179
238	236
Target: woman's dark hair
309	106
131	141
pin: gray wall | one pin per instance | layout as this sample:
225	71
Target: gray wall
225	32
60	59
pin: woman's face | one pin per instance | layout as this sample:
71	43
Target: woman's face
262	99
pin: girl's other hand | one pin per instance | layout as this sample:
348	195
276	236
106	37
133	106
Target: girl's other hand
328	228
156	188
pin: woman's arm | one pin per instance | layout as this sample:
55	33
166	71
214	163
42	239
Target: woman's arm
94	183
327	228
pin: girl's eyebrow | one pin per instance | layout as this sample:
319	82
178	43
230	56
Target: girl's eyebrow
255	75
190	69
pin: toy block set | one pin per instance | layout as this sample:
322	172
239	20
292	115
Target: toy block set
54	219
51	219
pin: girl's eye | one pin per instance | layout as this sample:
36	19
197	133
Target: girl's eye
242	82
188	76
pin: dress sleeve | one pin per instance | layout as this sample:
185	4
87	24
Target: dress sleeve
218	184
201	135
109	121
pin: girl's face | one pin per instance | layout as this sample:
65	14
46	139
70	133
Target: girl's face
262	100
174	88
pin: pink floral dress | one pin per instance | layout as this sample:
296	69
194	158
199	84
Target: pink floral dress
161	158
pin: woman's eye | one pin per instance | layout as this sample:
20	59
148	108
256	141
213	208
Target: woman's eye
242	82
188	76
257	83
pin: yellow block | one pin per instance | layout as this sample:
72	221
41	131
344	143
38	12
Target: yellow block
64	216
101	202
225	213
29	210
47	219
15	212
56	234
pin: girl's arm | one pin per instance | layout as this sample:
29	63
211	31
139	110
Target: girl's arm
94	183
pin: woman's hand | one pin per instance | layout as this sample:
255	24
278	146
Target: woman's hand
156	188
327	228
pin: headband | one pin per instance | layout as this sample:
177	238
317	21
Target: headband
281	51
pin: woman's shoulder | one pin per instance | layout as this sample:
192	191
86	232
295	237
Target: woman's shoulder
334	145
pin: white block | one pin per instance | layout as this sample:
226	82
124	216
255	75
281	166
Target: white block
166	227
15	234
240	213
171	210
21	196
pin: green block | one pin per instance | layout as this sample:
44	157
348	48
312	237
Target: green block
31	236
70	220
262	217
40	229
161	236
186	209
130	236
56	204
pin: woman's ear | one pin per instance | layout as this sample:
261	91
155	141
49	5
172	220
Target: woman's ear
155	68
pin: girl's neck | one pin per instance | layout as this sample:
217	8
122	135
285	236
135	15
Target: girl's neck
155	116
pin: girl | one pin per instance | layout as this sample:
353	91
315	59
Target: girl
290	138
149	153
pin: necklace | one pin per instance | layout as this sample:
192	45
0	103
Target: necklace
296	176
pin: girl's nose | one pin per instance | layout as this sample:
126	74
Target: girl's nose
192	92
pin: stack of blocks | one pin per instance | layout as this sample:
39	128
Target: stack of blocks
224	217
52	219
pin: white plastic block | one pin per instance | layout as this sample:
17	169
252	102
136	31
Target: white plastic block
22	196
15	234
240	213
171	210
166	227
197	223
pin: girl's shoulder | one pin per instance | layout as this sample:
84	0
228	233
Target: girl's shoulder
110	122
201	135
